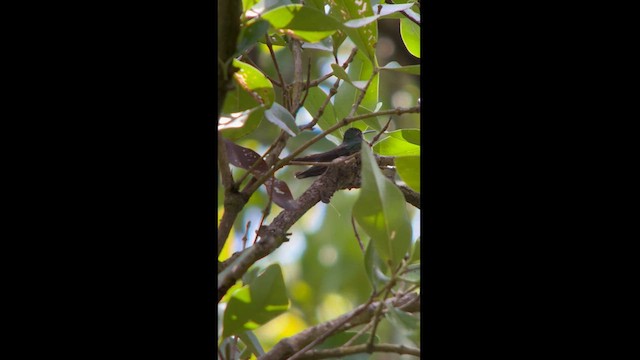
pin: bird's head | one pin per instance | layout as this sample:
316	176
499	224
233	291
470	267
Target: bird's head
352	135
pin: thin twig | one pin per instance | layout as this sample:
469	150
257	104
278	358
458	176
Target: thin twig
355	231
244	238
307	89
405	13
375	138
358	334
376	316
254	166
275	64
267	209
316	118
297	84
386	290
412	288
352	55
363	93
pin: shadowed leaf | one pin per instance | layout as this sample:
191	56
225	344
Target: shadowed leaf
280	194
244	158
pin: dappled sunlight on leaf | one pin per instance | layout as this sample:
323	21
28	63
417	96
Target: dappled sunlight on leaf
332	306
283	326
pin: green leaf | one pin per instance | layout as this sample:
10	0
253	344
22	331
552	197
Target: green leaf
251	34
372	122
302	22
413	274
257	303
281	117
405	142
381	211
322	45
235	120
254	82
262	6
408	322
314	101
251	274
415	252
410	33
317	4
379	11
247	4
238	101
408	168
375	267
364	37
339	72
409	69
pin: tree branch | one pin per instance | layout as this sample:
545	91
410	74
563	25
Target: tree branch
350	350
286	347
223	165
339	176
407	14
233	204
228	30
410	196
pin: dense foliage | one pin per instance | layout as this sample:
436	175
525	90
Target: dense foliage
325	266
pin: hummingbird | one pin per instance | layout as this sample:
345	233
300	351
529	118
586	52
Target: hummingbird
350	145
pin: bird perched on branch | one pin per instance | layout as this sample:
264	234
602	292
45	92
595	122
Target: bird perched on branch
350	145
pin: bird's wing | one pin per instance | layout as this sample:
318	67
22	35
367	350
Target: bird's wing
325	156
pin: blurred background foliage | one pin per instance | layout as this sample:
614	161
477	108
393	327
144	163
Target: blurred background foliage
322	263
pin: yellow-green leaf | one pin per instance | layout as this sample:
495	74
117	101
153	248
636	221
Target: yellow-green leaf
364	37
405	142
254	82
303	22
408	168
410	33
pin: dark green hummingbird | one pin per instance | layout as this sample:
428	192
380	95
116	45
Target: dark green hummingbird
350	145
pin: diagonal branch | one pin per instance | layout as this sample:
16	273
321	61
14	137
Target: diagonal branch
356	349
340	175
364	313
